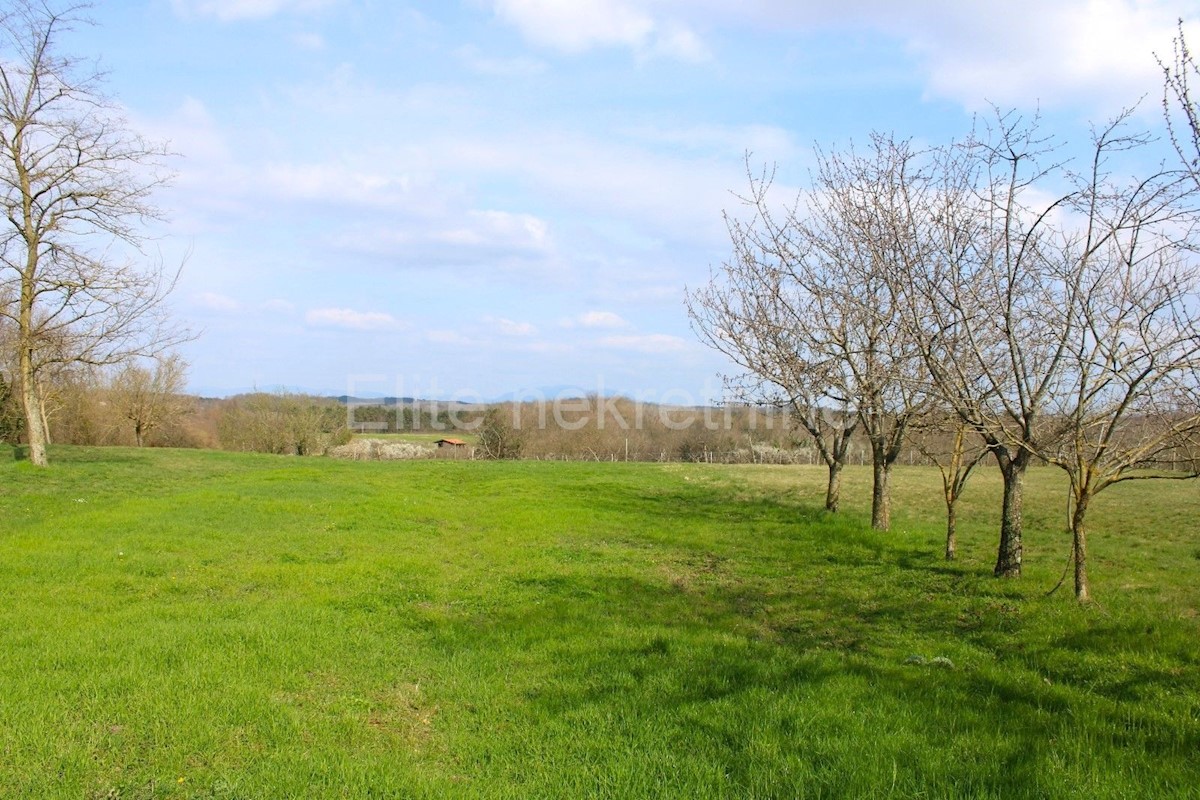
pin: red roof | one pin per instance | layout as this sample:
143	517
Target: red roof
455	442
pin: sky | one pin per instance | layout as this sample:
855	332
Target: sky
477	199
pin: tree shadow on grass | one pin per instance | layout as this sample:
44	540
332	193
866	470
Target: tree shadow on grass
726	681
730	661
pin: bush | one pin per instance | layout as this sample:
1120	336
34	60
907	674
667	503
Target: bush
497	436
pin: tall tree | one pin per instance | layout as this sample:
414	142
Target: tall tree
75	187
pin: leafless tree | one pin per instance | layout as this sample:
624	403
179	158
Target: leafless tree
810	304
754	312
1131	398
149	397
862	238
979	306
954	448
1006	310
498	437
75	187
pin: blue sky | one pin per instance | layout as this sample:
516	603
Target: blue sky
482	197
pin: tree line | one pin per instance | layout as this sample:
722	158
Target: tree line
1042	301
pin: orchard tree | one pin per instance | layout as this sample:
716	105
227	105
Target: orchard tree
1131	398
75	187
952	446
810	301
1036	263
753	311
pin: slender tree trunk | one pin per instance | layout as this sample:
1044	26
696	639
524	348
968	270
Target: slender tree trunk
1079	534
137	433
1008	560
833	492
951	528
881	495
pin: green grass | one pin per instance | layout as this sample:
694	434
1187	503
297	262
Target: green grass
188	624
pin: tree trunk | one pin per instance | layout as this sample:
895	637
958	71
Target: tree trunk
833	493
1079	534
881	495
1008	560
31	405
137	433
951	528
31	398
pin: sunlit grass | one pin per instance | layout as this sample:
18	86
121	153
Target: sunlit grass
185	624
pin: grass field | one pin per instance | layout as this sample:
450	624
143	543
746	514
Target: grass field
212	625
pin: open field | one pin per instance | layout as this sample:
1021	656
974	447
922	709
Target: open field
217	625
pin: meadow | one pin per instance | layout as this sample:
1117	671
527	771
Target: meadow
186	624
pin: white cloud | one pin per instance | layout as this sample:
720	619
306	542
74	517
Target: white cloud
576	26
335	182
1048	52
232	10
663	194
599	319
488	227
1013	53
350	319
645	343
767	143
677	42
493	242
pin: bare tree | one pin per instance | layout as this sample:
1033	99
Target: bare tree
1132	399
979	312
498	437
151	397
861	239
810	304
75	186
952	446
753	312
1006	308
